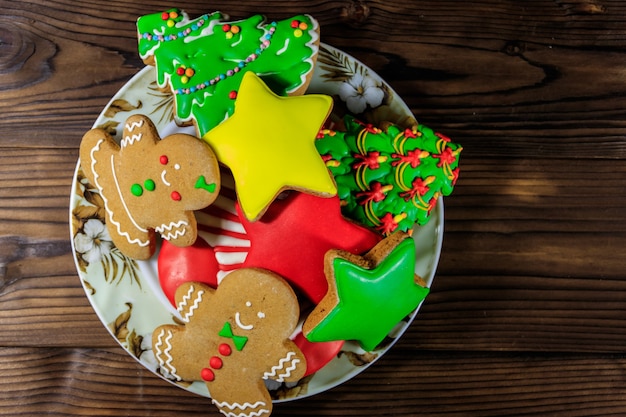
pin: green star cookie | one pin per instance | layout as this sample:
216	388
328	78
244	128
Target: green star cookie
369	295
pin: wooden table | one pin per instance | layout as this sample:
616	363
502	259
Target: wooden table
527	314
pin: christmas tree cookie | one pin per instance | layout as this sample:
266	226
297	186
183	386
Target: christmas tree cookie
202	60
390	178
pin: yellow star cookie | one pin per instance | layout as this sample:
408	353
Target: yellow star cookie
269	145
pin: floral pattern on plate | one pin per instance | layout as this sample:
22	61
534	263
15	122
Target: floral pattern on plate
125	293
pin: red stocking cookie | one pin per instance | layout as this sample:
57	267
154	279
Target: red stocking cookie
233	339
150	184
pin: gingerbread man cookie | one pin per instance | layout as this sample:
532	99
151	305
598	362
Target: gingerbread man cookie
149	184
233	338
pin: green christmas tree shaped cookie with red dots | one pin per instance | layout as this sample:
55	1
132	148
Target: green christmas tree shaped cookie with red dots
389	179
202	60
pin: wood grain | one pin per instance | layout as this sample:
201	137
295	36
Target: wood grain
98	382
527	312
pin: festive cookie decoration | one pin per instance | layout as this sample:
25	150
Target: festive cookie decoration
390	178
202	61
269	145
295	233
150	184
221	247
369	295
234	338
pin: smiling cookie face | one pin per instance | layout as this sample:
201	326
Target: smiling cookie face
235	336
150	184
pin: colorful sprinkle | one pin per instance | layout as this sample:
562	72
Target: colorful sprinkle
240	65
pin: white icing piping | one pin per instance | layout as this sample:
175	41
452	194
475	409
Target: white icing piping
284	48
129	140
194	306
167	364
241	325
119	192
172	230
313	45
163	178
287	371
117	224
133	125
232	406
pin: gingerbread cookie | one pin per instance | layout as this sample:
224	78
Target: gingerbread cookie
368	295
203	60
390	178
234	338
149	184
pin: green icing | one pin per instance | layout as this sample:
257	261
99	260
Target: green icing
371	302
390	179
238	341
219	53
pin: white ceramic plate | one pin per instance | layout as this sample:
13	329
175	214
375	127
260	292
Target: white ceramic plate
125	293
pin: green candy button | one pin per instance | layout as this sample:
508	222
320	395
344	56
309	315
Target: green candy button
136	189
149	185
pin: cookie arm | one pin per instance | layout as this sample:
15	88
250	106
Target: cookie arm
291	366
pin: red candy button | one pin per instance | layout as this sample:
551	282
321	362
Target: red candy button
224	349
207	375
215	362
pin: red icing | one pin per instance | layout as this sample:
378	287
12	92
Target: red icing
215	362
177	265
175	196
163	159
295	233
207	375
317	354
224	349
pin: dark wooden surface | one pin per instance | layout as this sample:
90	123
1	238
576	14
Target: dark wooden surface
527	314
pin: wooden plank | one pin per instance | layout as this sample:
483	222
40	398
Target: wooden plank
74	382
548	73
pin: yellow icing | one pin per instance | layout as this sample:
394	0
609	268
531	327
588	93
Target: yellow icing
269	145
